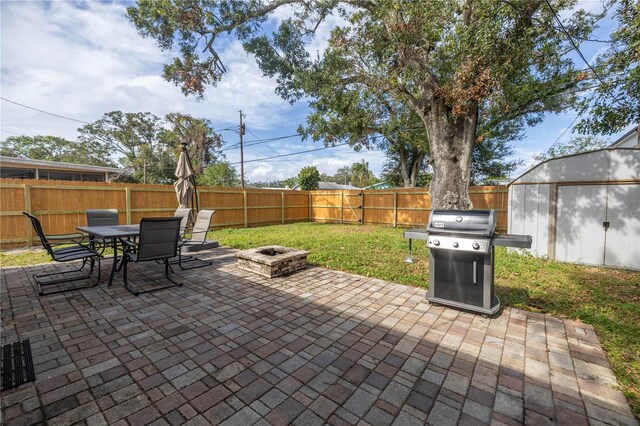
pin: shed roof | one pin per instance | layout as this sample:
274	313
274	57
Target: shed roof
626	140
609	164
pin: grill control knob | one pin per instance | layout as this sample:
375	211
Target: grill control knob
476	246
455	245
436	242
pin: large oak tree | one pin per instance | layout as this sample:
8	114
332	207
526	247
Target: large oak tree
148	146
453	63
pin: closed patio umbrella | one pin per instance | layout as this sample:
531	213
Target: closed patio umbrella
186	184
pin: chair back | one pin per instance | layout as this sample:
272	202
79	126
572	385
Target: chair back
37	226
187	218
158	238
102	217
202	225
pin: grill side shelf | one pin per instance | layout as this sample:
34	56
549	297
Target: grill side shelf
513	240
416	233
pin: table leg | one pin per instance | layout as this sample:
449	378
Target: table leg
92	246
115	261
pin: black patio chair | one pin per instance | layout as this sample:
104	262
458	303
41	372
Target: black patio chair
102	217
158	241
197	241
71	247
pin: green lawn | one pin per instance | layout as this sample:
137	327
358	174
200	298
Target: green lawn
608	299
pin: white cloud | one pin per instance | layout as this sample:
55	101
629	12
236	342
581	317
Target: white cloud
82	60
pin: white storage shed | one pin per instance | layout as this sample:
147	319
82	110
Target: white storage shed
582	208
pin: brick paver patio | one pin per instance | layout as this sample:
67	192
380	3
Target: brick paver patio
316	347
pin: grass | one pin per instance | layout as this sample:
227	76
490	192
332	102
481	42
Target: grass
608	299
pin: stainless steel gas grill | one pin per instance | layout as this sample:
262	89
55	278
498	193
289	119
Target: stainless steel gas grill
461	257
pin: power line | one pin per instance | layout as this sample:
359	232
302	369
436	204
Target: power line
276	152
277	138
43	111
575	47
293	153
13	133
229	129
259	141
565	131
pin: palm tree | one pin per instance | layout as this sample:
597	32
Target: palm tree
361	172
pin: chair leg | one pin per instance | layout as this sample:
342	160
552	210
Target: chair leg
190	259
167	270
125	263
40	283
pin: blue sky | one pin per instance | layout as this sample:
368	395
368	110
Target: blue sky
82	59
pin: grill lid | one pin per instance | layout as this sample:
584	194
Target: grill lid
470	222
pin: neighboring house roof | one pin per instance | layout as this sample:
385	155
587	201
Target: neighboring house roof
55	165
279	188
628	140
331	185
380	185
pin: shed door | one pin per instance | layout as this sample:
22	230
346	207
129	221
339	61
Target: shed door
580	235
623	236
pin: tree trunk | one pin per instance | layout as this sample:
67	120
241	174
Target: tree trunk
410	163
415	168
451	142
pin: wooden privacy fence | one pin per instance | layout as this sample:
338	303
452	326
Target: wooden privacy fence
397	207
61	205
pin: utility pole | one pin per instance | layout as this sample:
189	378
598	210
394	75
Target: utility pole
144	172
241	151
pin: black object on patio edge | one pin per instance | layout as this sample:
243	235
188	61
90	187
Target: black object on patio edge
17	364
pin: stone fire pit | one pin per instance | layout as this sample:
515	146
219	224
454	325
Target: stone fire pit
272	261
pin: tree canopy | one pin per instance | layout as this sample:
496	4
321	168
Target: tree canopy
149	146
308	178
54	148
466	69
574	146
219	173
616	100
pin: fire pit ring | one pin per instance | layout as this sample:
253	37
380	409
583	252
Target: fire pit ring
272	261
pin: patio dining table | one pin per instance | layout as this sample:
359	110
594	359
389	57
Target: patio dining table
112	232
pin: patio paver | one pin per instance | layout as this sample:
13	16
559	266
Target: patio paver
317	347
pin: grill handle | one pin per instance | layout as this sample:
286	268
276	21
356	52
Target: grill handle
475	272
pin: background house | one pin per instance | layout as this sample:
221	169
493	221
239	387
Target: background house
331	185
25	168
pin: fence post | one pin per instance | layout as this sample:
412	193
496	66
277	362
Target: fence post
362	207
282	193
246	211
342	206
127	194
395	209
310	198
26	189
